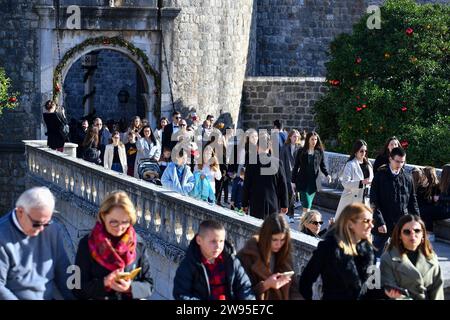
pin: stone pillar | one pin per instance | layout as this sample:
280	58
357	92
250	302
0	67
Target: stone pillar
70	149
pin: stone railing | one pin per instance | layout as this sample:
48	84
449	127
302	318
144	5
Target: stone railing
166	220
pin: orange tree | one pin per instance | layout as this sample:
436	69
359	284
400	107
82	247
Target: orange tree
8	100
392	81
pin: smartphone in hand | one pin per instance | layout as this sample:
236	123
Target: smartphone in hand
288	273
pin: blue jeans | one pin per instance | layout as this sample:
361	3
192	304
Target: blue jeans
117	167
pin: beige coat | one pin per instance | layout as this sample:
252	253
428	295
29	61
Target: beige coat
423	281
109	155
350	178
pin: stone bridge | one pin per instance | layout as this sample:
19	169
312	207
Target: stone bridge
166	220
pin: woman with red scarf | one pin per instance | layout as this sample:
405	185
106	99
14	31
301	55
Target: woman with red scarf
111	248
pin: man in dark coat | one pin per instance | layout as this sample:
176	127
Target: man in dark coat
392	195
265	187
210	270
171	128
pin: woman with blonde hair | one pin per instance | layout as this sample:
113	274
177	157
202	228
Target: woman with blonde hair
267	257
409	267
310	224
113	247
209	166
343	257
115	155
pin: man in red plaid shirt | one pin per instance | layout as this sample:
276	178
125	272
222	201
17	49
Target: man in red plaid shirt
210	269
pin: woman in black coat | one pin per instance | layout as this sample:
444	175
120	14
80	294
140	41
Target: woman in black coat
55	122
113	247
383	156
265	188
308	161
342	259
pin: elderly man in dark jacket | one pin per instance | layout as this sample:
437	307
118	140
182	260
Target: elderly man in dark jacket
265	187
392	195
210	270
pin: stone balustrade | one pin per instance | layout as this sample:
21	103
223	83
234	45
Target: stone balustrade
166	220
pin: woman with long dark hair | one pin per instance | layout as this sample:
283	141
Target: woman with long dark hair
356	177
308	161
148	148
383	156
410	264
56	122
90	146
266	256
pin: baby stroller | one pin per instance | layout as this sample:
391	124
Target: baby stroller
148	170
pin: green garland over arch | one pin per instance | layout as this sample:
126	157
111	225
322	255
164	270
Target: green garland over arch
113	42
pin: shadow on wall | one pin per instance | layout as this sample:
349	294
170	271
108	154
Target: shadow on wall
227	119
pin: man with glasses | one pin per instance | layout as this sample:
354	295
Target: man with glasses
33	260
169	137
392	195
103	137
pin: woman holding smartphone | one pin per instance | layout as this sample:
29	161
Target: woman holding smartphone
267	259
113	247
409	267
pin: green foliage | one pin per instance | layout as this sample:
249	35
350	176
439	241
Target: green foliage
7	99
392	81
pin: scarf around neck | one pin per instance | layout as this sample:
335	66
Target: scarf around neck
111	254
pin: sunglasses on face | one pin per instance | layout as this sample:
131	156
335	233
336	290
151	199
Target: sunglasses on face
366	221
408	232
37	224
316	223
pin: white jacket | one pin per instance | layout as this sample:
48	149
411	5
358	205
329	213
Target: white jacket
109	155
350	179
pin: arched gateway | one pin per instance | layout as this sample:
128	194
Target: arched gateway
132	31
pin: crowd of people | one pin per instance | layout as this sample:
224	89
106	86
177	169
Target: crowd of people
384	214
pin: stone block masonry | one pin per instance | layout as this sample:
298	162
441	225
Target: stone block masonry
291	100
209	54
19	56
